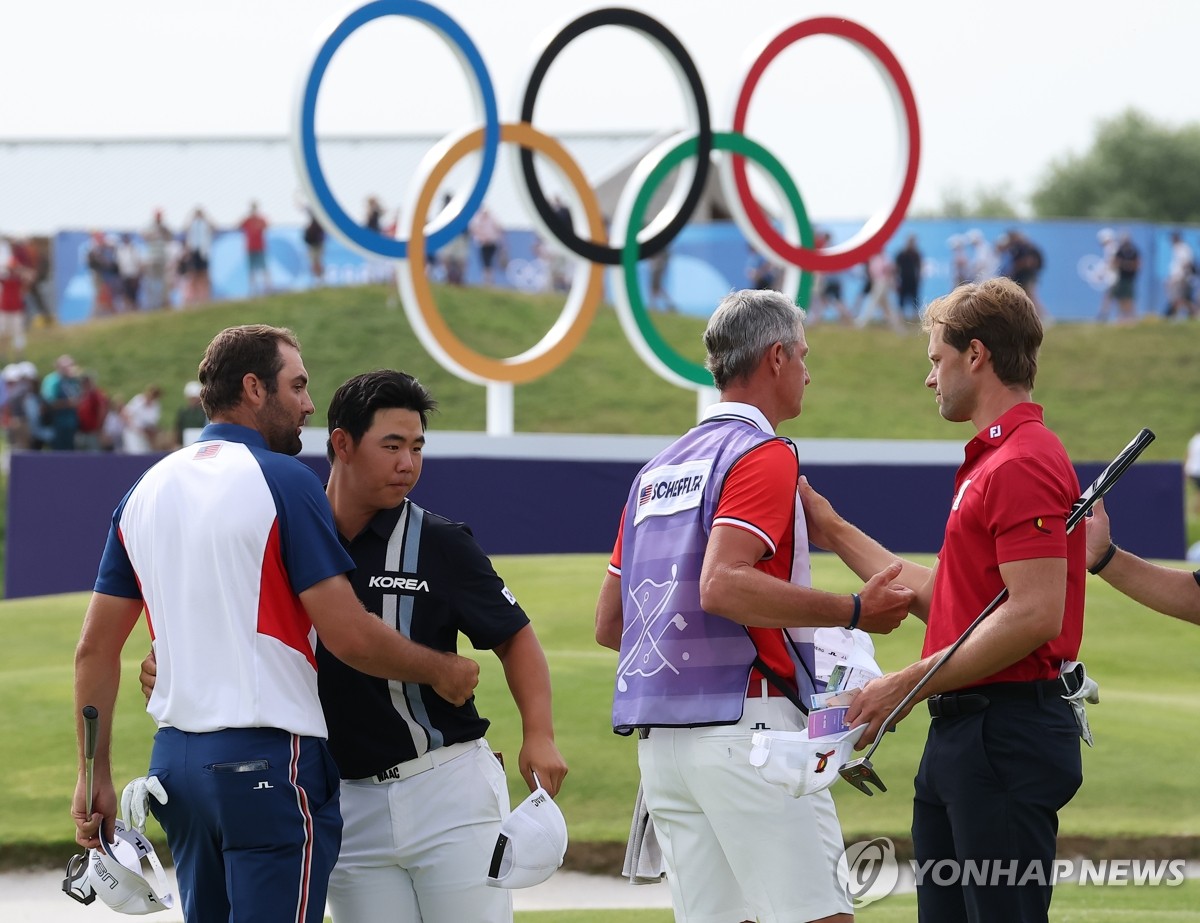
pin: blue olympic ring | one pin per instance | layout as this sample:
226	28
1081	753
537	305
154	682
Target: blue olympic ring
310	165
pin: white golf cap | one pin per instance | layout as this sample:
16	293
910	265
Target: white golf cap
11	373
531	844
799	764
853	647
115	874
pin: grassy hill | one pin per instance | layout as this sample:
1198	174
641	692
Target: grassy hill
1099	384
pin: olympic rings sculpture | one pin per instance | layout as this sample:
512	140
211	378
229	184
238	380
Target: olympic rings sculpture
690	150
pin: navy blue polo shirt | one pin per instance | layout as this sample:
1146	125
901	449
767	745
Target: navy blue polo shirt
427	577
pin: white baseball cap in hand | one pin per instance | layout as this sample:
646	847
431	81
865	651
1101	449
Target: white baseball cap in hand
115	874
799	764
531	844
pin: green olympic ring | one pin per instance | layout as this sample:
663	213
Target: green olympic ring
639	328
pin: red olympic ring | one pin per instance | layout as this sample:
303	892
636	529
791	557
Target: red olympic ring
877	231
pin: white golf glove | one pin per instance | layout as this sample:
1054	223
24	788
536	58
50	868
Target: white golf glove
135	800
1088	691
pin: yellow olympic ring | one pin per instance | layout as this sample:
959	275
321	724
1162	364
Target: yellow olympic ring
416	294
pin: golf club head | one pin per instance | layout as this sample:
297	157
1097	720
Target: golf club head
859	772
75	884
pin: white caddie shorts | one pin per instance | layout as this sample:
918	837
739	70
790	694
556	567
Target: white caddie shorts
418	850
736	846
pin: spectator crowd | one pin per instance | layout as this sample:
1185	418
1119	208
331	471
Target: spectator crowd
66	410
162	267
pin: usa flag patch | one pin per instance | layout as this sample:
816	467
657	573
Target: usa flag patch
208	450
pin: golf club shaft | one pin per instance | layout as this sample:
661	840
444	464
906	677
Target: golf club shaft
91	735
1097	489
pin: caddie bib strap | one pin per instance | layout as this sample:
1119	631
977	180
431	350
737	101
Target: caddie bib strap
779	683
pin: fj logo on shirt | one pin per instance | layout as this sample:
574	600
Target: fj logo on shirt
669	489
958	496
507	594
823	760
994	432
399	583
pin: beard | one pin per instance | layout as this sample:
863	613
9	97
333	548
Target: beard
279	428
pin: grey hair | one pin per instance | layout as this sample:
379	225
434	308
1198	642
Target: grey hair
744	325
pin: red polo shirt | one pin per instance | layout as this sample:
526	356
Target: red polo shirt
1011	500
255	229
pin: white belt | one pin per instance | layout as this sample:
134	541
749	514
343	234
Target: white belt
426	761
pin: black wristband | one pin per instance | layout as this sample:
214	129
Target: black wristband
1104	559
857	611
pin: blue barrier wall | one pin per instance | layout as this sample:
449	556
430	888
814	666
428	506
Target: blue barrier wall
706	261
60	506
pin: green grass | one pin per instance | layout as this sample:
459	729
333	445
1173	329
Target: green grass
1138	782
1072	904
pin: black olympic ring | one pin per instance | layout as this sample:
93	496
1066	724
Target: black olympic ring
652	28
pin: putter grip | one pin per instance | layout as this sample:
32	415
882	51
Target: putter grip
91	731
1108	477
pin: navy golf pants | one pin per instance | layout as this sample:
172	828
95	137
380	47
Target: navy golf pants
989	789
252	820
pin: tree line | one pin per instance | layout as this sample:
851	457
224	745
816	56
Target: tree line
1137	169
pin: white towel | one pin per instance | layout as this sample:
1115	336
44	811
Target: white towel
644	864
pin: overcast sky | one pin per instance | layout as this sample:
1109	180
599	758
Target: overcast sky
1003	87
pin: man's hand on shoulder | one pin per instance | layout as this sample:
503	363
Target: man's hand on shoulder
819	515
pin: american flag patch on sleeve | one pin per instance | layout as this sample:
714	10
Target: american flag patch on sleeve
208	450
